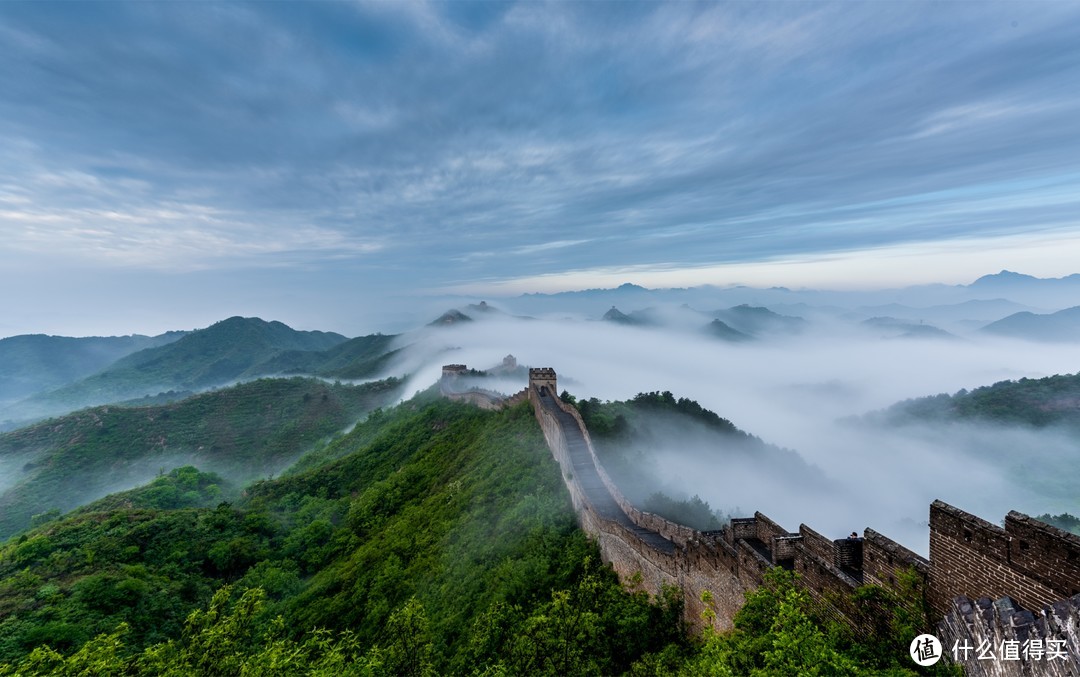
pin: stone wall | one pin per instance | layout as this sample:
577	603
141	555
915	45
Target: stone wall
701	563
1033	563
1018	577
479	398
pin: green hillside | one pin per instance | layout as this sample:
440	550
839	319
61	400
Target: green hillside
1054	400
356	358
251	430
445	506
185	487
220	354
34	362
440	540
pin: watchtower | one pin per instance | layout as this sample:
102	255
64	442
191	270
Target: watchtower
453	370
544	377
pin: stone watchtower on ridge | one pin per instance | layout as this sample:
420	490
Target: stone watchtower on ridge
453	370
544	377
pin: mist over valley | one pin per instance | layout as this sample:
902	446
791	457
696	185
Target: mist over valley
805	384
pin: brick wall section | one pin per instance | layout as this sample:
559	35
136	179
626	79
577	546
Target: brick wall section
829	588
742	527
1044	553
557	444
751	566
702	563
784	548
766	529
971	557
484	399
672	531
818	545
479	398
518	397
884	559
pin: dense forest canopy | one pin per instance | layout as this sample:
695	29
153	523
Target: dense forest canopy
435	538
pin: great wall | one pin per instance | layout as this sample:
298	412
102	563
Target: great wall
1012	589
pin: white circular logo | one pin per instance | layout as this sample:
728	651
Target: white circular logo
925	650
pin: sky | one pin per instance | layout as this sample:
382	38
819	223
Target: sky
166	165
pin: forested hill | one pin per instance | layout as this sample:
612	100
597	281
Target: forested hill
1054	400
250	430
655	446
438	516
227	351
34	362
434	538
361	357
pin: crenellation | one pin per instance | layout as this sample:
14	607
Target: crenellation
784	549
544	377
1044	553
767	529
817	544
742	527
884	559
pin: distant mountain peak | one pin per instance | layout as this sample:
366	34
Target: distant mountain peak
721	330
452	316
1064	325
483	307
616	315
1005	276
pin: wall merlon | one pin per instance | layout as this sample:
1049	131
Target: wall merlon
807	560
742	527
814	542
990	539
783	547
767	529
885	545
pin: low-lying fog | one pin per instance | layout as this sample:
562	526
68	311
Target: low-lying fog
794	392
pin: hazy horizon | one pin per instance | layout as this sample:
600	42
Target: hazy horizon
167	165
409	312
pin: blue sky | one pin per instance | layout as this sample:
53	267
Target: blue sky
164	165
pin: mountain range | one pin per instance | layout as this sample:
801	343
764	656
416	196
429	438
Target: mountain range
250	430
34	362
1063	325
228	351
434	524
1013	292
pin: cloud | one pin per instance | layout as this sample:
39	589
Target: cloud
796	393
1053	251
462	142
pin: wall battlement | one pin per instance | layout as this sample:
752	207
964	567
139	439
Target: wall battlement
450	387
1033	563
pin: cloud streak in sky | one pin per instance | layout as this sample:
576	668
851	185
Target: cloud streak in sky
436	144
